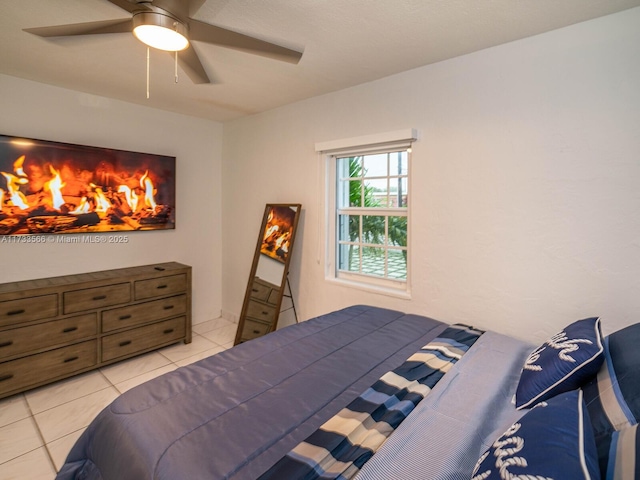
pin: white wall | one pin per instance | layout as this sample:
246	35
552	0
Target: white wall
526	182
44	112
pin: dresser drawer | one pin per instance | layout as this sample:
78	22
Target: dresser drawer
98	297
143	313
253	329
273	297
261	311
24	372
14	312
157	287
36	337
142	338
260	291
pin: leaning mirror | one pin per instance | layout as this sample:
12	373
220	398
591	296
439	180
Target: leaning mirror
268	277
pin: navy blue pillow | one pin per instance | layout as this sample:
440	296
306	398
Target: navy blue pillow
565	362
624	352
553	440
613	397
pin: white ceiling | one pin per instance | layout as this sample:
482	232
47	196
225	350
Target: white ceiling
345	43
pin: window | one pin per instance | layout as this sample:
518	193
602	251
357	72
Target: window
368	221
371	201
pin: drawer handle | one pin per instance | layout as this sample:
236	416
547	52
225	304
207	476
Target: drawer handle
265	313
6	344
160	269
168	330
256	331
125	343
99	297
124	317
6	377
254	290
70	359
69	329
160	287
16	312
168	307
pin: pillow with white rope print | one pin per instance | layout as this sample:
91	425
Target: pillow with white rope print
566	361
552	441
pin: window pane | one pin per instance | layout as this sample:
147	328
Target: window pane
398	191
354	166
381	200
375	193
375	165
398	163
373	261
397	264
355	193
349	194
349	228
373	229
398	231
349	258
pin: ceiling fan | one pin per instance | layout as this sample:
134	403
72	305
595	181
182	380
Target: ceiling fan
173	20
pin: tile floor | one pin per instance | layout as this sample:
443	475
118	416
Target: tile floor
38	428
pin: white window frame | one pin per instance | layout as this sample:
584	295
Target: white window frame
371	144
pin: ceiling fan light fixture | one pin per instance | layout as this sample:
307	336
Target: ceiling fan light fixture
160	31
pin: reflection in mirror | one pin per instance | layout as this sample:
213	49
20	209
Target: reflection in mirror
268	276
269	270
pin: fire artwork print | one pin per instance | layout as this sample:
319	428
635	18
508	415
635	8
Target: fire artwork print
278	232
51	187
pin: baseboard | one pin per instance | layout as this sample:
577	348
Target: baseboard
232	317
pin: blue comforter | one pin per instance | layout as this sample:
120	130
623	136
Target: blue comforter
233	415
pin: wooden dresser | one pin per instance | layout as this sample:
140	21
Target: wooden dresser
53	328
261	310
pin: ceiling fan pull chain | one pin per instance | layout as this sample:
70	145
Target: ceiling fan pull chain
176	67
147	72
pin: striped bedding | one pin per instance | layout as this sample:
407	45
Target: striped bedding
341	446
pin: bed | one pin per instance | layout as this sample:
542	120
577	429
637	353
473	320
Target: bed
446	402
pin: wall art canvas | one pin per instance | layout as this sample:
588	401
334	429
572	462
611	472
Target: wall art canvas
278	231
52	187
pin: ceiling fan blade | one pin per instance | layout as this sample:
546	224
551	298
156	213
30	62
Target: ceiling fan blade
205	32
88	28
192	66
129	6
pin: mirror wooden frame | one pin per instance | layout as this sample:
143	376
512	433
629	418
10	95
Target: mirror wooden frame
269	270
